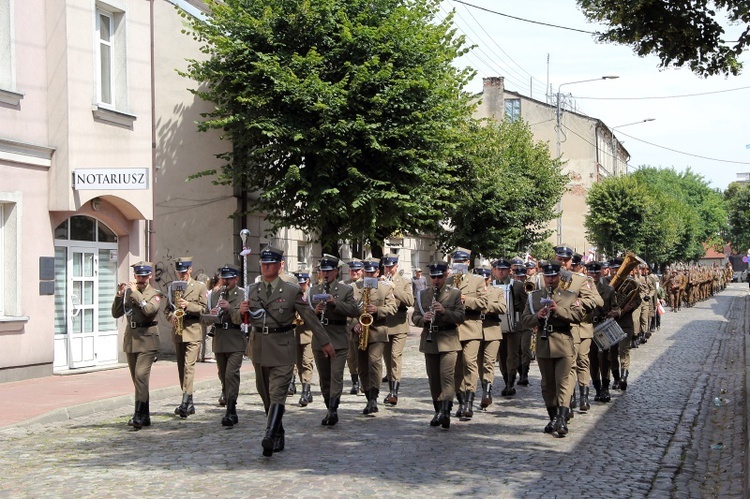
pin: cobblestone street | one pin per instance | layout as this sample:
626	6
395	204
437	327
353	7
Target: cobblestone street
665	436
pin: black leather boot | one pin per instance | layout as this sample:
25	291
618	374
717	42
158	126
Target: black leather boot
222	400
561	421
445	413
598	387
392	397
278	441
146	414
355	385
574	397
273	425
584	405
292	386
230	418
186	408
606	397
624	380
436	418
510	387
390	392
469	407
460	410
486	396
306	395
524	379
137	420
552	412
332	416
372	402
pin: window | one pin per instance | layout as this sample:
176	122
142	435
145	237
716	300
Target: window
302	256
7	56
110	54
104	30
10	251
513	109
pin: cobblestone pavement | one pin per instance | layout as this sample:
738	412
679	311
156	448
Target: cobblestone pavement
663	437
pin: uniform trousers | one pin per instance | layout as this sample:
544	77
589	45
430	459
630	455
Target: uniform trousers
440	374
305	362
556	386
331	373
393	354
467	370
272	383
583	361
525	341
139	364
370	364
352	359
187	353
624	348
510	347
487	357
229	365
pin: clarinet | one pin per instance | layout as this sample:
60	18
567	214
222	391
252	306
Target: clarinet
433	326
245	235
543	336
326	289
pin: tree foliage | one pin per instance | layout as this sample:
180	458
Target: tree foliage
687	32
507	192
737	197
342	115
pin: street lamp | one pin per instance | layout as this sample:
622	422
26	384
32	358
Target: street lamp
559	149
614	142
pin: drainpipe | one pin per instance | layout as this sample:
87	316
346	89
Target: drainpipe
150	226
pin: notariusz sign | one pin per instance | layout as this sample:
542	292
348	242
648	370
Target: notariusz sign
110	179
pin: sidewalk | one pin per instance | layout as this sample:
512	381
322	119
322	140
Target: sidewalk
60	397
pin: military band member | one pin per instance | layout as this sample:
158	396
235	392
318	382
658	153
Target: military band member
552	311
229	341
381	304
303	334
356	271
334	306
272	306
510	346
491	335
139	303
520	272
398	327
599	364
474	298
187	332
624	318
438	310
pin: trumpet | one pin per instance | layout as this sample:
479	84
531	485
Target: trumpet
529	285
365	321
433	324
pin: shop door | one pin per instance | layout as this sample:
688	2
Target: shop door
83	305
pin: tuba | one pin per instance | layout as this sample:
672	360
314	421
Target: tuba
365	321
626	290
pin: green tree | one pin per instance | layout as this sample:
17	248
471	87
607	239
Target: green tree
508	190
679	33
738	206
342	115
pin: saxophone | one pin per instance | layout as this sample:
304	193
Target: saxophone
365	320
179	313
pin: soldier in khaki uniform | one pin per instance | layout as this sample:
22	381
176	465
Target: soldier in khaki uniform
552	314
370	361
510	346
334	303
438	310
187	333
599	364
272	306
356	270
303	333
398	327
474	298
139	303
229	341
491	335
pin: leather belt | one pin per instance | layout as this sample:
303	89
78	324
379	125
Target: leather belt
134	325
444	328
492	319
333	322
556	329
266	330
227	325
473	313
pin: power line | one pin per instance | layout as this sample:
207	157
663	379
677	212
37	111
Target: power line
525	20
667	96
686	153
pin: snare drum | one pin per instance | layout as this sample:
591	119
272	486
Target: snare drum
607	334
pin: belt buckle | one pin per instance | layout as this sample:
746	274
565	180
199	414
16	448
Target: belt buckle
264	330
324	321
549	329
481	316
225	325
133	325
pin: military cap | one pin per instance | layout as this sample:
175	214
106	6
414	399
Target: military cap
501	263
302	276
576	260
594	267
438	269
516	261
605	264
229	271
183	263
370	266
390	260
530	265
615	263
483	271
551	268
328	262
418	269
269	254
564	251
356	264
142	268
461	255
520	270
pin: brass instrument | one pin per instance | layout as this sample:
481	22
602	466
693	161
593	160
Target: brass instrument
365	320
529	285
326	290
626	289
457	280
179	313
433	325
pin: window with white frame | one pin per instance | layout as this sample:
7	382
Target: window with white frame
513	109
10	251
302	255
105	40
3	275
110	57
6	45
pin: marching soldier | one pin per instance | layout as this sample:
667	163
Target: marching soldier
334	303
510	346
474	298
229	341
491	335
438	310
398	327
524	344
625	319
271	305
553	311
379	304
356	270
599	364
303	333
139	303
184	312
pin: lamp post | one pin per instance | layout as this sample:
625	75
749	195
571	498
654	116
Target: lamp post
614	142
558	109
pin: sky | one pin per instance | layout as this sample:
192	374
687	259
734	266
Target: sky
698	123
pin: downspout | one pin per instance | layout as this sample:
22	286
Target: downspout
150	226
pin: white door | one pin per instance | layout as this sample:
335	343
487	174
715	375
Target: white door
83	306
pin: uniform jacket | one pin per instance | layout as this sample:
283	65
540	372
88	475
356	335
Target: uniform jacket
228	337
336	314
302	331
607	292
559	342
520	296
402	291
496	306
139	307
445	338
196	295
585	289
474	292
385	301
278	348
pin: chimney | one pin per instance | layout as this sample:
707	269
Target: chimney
492	97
